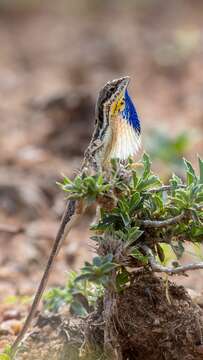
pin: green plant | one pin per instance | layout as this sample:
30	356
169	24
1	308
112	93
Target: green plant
98	271
141	223
6	354
79	295
84	187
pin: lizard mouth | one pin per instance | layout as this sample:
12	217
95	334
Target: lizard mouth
124	81
120	84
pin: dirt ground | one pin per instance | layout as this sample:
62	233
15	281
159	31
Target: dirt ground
53	61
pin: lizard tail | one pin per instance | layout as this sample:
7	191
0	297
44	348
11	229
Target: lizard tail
69	218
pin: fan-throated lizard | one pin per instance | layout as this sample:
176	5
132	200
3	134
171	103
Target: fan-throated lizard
116	135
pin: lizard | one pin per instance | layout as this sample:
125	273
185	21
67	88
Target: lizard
117	134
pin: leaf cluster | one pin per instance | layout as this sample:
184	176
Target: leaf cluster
97	272
79	295
85	187
144	211
146	198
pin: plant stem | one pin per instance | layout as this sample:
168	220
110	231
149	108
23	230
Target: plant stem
161	223
169	270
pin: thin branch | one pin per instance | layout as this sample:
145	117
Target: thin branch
161	223
169	270
166	188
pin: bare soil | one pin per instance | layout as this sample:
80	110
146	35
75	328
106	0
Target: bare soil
150	320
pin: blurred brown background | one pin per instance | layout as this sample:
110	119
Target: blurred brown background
54	58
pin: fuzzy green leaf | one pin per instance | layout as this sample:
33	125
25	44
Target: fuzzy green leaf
139	256
147	165
122	279
135	179
126	218
134	201
200	171
191	176
97	261
78	309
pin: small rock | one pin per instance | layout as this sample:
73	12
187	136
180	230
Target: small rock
199	349
11	326
196	297
11	314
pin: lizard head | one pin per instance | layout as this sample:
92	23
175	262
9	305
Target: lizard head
117	124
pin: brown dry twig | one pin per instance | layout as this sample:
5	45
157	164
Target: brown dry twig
161	223
166	188
156	267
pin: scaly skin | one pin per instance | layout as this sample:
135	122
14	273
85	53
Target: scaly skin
116	134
